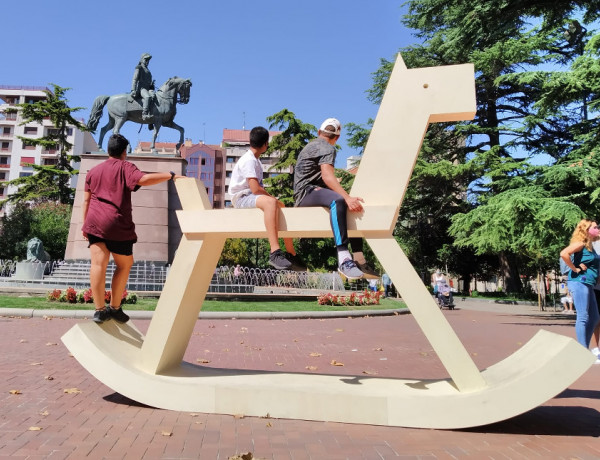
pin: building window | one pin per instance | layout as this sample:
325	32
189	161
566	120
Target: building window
203	161
228	174
1	191
25	174
4	161
5	145
228	203
193	161
2	176
230	160
6	130
69	131
28	146
50	161
27	161
30	130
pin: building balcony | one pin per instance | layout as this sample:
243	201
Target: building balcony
4	166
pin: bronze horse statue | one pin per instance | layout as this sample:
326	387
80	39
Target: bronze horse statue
162	110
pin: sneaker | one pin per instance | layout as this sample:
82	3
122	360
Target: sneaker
298	264
597	361
279	260
101	315
118	314
349	269
596	351
368	271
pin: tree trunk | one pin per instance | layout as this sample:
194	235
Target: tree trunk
510	271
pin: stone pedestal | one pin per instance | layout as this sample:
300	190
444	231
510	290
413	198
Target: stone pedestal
29	270
153	210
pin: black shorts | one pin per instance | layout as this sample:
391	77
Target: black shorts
123	248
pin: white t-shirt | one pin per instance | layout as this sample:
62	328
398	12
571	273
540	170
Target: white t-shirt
247	167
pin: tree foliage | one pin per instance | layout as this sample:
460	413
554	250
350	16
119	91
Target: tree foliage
49	182
537	84
47	221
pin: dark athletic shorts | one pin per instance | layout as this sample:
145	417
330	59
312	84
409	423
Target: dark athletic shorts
123	248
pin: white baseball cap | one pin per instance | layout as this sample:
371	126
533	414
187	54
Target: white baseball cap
331	122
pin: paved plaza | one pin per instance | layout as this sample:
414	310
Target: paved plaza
50	407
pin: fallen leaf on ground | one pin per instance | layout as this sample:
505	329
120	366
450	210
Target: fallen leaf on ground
36	364
49	377
45	413
239	416
193	414
244	456
336	363
72	390
15	392
22	341
268	425
311	368
315	354
279	364
166	433
339	330
51	343
424	353
203	361
378	349
225	349
35	428
370	372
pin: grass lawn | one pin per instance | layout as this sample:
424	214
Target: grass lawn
40	303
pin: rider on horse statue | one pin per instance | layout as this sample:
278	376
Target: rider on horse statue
143	85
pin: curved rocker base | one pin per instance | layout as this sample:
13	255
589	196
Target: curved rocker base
538	371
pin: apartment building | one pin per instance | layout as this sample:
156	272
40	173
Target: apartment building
236	142
204	162
15	156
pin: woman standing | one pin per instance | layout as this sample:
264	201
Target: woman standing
108	224
583	275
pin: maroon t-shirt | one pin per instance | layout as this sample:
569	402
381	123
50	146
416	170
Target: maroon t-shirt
109	215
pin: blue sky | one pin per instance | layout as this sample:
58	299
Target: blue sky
252	57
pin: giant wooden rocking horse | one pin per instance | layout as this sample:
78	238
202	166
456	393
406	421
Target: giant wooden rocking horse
150	369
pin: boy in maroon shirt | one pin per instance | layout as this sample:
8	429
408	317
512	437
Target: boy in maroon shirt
108	225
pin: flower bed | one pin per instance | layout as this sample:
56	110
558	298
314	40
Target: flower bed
70	295
354	299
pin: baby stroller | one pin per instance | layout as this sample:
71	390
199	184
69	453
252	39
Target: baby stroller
445	298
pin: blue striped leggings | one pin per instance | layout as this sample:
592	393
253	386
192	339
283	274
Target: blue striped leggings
337	215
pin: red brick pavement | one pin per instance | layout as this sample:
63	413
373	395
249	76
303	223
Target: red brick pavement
98	423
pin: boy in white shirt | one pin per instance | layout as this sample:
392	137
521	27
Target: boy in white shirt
247	190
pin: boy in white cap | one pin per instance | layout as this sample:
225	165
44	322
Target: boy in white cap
315	184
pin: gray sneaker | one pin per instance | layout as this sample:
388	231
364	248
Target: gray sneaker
279	260
349	269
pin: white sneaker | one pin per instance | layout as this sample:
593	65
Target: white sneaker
597	361
596	351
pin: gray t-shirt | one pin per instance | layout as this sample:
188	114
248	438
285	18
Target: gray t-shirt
307	173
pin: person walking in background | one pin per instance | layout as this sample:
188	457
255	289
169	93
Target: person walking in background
596	336
387	284
437	280
567	302
583	276
108	225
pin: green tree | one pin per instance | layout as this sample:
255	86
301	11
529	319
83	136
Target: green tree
509	122
50	223
14	232
293	137
49	183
